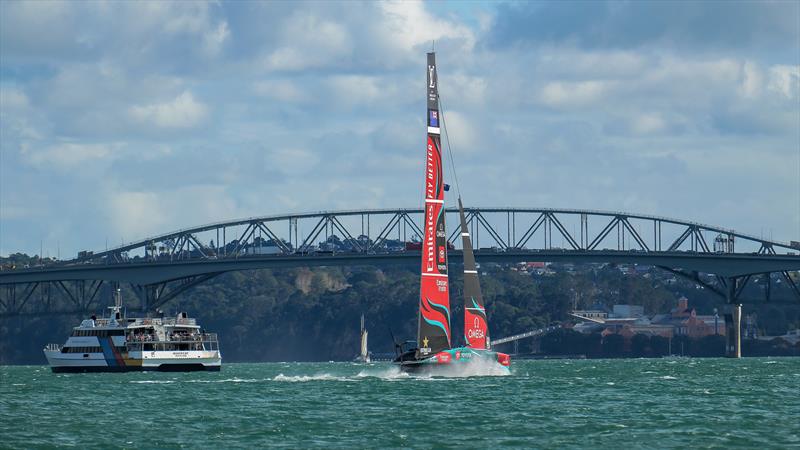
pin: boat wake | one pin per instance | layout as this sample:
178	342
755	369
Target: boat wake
474	368
307	378
389	373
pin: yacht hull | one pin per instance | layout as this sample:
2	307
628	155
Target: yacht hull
446	361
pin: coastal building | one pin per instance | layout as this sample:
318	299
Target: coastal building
592	315
792	337
629	320
627	311
686	322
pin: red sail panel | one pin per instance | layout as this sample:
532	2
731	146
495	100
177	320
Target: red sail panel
476	328
433	333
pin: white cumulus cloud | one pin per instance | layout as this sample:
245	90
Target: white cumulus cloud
570	94
136	214
785	80
69	155
309	41
181	112
408	24
282	90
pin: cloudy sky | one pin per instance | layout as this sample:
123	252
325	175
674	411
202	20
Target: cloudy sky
121	120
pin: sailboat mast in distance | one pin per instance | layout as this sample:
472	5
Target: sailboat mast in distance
433	331
475	324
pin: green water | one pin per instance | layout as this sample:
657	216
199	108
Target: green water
748	403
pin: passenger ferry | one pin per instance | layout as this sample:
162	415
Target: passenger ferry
122	344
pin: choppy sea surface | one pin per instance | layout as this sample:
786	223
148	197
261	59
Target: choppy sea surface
645	403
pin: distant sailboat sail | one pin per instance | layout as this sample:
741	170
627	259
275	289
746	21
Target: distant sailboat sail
433	332
475	323
364	356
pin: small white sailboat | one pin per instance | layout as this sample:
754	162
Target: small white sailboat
363	356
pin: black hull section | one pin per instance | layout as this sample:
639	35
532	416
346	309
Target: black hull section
407	362
418	368
161	368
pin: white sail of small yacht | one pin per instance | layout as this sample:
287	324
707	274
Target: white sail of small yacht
364	355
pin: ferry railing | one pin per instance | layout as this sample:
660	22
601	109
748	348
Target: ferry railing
192	339
53	347
104	321
205	337
165	321
174	346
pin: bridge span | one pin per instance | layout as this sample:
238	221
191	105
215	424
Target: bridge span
161	267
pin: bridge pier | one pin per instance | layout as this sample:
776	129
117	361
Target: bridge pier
733	323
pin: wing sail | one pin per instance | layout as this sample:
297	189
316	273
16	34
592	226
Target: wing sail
433	332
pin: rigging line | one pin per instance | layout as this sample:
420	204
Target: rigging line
449	149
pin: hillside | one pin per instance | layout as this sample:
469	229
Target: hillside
313	314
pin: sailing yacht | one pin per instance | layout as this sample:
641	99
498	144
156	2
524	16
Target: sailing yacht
433	347
363	356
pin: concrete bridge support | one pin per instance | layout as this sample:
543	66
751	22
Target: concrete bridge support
733	336
733	322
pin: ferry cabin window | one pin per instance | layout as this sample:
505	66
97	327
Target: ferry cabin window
98	333
81	350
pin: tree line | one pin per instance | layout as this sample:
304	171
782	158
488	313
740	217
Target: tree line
307	314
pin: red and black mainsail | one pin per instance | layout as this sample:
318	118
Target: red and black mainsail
433	333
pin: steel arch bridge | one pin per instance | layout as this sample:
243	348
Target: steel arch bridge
161	267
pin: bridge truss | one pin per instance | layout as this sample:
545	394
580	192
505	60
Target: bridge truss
161	267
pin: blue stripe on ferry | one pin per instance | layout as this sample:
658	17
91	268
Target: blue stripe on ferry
108	353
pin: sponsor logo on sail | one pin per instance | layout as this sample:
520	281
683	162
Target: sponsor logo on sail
425	349
476	331
429	240
476	334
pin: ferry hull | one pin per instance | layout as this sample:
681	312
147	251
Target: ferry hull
161	368
97	362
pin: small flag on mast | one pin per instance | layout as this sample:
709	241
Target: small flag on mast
434	119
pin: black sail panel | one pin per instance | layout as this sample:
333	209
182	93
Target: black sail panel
476	327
